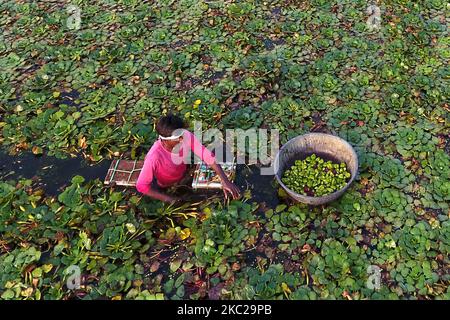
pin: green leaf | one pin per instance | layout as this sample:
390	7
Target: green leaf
211	270
222	269
77	179
180	280
175	265
168	286
180	292
8	294
37	273
269	213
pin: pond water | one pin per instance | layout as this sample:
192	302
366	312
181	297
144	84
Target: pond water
263	187
49	173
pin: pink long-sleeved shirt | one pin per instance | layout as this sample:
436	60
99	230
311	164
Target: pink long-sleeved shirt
168	167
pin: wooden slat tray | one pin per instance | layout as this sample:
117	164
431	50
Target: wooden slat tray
206	178
124	172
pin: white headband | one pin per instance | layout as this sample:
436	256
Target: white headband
171	137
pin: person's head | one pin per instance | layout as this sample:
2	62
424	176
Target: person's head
168	126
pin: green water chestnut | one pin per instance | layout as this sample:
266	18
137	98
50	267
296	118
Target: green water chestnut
316	177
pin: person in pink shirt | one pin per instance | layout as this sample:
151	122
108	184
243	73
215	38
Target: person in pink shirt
165	163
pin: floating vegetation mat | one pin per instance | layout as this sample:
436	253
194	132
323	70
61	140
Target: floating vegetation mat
92	79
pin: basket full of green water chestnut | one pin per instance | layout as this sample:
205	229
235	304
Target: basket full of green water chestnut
316	168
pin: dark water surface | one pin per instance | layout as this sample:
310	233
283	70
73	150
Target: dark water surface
51	173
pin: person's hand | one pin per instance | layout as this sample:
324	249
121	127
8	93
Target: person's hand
230	188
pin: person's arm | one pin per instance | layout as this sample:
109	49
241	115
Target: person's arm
144	183
207	156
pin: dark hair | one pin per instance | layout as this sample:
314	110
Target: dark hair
168	124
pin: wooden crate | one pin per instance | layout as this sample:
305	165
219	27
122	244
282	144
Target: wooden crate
206	178
124	172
